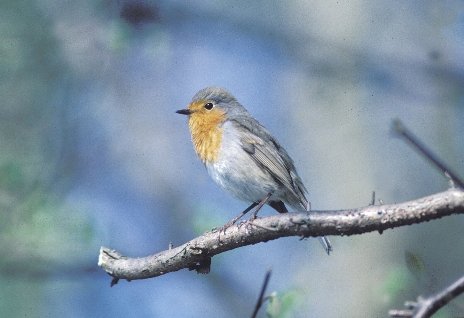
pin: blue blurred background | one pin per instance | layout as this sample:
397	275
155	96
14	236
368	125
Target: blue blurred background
92	152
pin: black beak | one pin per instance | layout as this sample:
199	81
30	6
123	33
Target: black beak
184	111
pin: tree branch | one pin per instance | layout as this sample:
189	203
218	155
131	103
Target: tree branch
426	307
399	128
261	295
196	254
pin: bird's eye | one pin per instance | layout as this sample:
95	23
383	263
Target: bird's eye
209	106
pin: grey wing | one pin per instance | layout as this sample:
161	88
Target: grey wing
268	153
275	160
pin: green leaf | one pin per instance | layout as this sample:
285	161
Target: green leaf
284	305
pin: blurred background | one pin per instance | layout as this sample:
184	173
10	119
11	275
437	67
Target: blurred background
92	152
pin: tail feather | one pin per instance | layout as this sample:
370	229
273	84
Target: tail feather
304	205
324	240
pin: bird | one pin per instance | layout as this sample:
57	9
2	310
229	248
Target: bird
242	156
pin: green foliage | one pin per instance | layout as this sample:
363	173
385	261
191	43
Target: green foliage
11	177
396	282
417	267
38	226
284	305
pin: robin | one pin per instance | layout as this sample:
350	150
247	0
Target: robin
242	156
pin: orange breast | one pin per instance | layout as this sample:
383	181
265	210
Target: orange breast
206	133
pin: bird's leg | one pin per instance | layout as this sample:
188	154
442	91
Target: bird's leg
232	222
260	205
235	219
248	223
252	216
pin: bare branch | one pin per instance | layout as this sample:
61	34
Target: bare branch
413	140
196	254
426	307
261	295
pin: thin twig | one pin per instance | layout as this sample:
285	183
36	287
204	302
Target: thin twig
426	307
261	295
399	128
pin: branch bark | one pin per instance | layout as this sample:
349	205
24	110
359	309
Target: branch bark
196	254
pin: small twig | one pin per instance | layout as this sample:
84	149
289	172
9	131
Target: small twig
426	307
394	313
399	128
261	295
